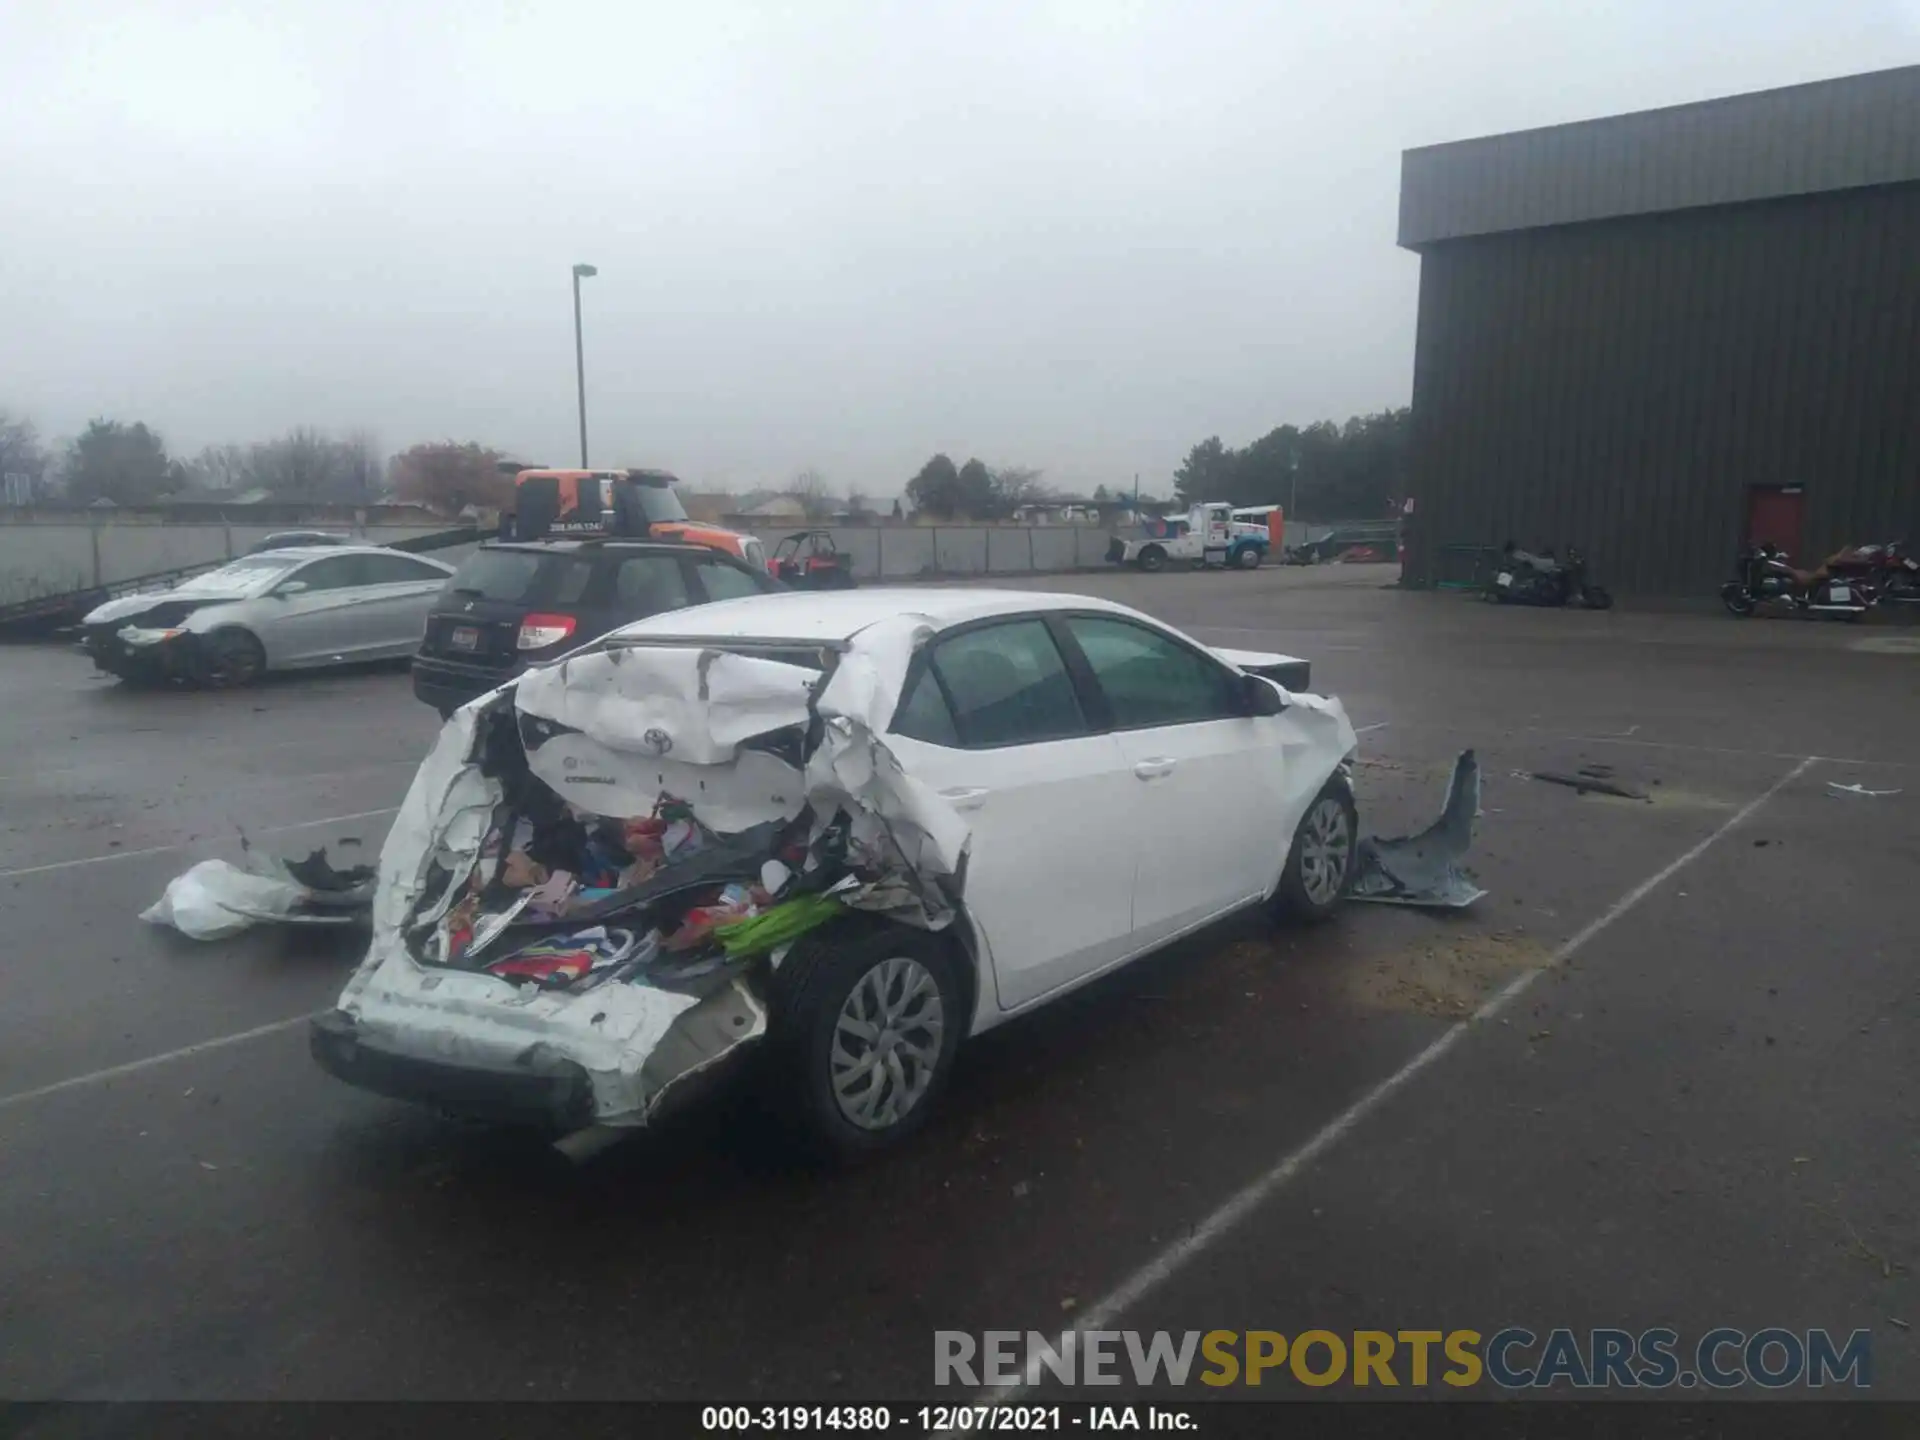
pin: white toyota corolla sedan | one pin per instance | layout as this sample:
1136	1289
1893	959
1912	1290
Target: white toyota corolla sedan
845	830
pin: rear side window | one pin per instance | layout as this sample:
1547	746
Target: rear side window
727	582
923	714
505	575
397	570
1007	685
339	572
649	584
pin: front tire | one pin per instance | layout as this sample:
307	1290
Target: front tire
1738	600
1320	861
868	1018
230	660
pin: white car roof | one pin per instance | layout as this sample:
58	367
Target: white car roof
842	614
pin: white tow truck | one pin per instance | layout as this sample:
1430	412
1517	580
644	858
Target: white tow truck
1206	534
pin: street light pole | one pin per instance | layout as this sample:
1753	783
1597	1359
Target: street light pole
580	272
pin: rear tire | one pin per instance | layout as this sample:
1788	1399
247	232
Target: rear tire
867	1019
230	660
1153	559
1320	861
1249	558
1738	601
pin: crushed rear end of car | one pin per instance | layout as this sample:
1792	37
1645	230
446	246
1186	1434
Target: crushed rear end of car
598	870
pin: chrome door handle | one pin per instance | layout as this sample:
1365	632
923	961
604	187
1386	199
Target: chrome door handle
1153	769
964	797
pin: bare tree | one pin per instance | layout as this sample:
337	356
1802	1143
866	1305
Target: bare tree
1016	485
220	467
360	459
24	461
814	492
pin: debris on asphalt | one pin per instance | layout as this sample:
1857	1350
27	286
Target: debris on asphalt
1587	782
1424	869
216	899
1856	789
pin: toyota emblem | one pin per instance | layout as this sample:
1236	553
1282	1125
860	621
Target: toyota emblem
657	741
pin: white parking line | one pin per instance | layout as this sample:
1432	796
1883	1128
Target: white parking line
186	844
114	1072
1149	1277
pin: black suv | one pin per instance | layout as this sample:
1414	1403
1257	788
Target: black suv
511	606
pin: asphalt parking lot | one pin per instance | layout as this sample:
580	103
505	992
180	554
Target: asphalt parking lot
1692	1098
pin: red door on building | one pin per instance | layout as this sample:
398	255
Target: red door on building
1773	516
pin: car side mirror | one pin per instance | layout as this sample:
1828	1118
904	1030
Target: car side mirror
1262	696
290	589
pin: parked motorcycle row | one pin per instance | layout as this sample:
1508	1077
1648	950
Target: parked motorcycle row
1847	585
1851	582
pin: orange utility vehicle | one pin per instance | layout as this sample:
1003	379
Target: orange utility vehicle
629	504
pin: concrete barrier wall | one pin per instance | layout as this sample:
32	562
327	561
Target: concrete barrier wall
48	559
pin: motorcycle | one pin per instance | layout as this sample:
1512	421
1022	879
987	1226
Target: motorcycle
1889	572
1765	578
1527	579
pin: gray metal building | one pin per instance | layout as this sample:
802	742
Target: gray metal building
1659	335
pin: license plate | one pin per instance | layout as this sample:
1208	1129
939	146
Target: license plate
1841	594
1505	578
465	637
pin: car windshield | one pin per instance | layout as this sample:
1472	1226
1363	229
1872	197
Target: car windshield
659	504
254	572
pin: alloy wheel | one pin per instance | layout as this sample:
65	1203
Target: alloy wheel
1326	850
887	1043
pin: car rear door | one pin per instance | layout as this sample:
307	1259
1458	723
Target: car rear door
991	719
400	593
1207	777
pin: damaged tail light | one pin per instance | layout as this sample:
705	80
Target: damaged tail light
537	632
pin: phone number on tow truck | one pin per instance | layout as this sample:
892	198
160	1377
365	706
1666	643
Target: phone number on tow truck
936	1418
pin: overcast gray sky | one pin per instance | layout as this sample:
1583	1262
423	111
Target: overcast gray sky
1075	234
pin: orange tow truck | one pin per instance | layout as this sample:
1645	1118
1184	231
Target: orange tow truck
635	504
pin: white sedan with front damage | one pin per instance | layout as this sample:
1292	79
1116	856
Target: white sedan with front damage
844	830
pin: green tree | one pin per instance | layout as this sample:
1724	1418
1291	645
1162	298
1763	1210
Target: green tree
936	489
976	497
126	464
1208	472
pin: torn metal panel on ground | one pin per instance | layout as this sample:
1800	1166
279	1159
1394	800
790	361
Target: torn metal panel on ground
1424	869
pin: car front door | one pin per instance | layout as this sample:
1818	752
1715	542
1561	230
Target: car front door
314	612
1207	775
992	720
